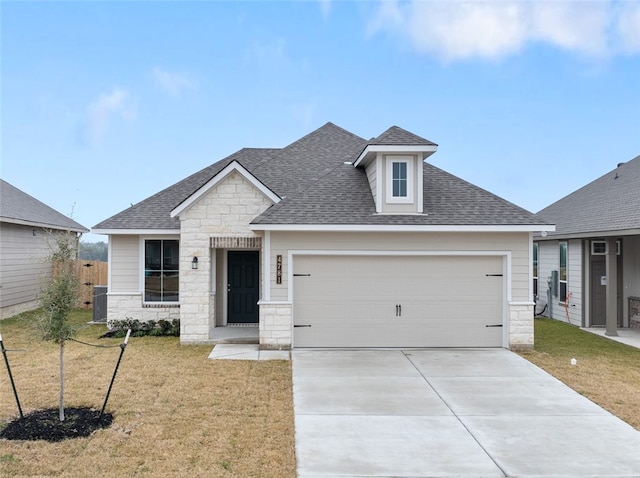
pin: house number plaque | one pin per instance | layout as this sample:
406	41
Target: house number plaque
278	269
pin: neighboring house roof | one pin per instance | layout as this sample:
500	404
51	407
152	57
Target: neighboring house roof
609	205
18	207
318	184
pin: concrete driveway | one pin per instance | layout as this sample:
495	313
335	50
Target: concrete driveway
453	413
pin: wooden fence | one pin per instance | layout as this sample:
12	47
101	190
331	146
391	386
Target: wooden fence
91	273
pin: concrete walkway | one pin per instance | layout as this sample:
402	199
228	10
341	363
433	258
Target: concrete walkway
449	413
625	336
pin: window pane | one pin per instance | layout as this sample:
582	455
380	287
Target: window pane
563	261
153	255
161	276
399	179
563	291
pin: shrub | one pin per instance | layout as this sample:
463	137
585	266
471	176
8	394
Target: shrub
160	328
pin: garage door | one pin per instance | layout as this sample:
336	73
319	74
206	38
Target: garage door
397	301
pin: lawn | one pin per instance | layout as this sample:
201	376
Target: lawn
176	413
606	372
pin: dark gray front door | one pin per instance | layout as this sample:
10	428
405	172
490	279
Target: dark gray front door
243	287
598	291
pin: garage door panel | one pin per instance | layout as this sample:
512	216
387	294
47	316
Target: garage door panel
397	301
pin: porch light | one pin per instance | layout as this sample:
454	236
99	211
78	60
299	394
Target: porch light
194	263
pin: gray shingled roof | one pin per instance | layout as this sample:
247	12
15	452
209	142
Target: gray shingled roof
398	136
608	204
344	197
18	207
317	187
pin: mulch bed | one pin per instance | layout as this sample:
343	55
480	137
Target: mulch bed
46	424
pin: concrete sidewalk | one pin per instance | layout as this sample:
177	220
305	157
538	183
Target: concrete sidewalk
629	337
437	413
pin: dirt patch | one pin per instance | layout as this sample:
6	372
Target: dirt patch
46	425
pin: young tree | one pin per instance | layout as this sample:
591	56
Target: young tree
59	296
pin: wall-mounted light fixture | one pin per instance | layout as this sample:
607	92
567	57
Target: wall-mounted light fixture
194	263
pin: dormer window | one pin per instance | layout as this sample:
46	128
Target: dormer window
400	179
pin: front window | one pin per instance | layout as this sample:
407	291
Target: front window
563	272
161	270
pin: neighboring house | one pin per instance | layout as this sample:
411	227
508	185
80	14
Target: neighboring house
332	241
26	230
596	247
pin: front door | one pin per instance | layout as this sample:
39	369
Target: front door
599	290
243	287
598	310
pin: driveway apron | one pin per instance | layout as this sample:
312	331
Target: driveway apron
449	413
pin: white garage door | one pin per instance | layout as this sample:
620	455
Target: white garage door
398	301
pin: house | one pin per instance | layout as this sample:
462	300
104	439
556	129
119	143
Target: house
26	229
588	270
331	241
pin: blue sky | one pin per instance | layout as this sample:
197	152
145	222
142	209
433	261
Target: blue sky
105	104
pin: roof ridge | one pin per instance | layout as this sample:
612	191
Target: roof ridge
318	131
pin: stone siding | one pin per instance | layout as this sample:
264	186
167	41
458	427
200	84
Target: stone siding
275	326
224	212
129	306
521	326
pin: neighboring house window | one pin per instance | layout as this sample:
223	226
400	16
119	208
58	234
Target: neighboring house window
400	179
563	272
535	269
161	270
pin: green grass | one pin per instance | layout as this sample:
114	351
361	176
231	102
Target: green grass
607	372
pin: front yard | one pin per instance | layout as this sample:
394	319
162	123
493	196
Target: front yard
177	414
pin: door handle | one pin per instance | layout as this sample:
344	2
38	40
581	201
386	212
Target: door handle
400	307
398	310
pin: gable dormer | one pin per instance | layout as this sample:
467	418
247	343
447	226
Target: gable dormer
394	165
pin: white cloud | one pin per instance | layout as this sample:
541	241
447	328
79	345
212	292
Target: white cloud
461	29
628	27
118	103
172	83
325	6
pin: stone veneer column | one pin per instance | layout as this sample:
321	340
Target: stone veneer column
275	326
521	326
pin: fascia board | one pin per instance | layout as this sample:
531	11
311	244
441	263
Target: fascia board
402	228
390	148
231	167
587	235
43	225
136	232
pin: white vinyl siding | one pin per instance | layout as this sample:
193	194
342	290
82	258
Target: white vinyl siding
517	243
124	264
371	170
548	261
24	252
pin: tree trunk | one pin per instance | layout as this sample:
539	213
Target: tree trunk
62	380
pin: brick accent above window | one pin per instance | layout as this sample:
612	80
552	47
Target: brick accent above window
227	242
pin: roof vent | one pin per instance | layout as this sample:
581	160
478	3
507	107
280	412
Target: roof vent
620	164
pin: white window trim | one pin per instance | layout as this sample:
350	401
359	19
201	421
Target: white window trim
565	281
143	240
409	198
606	248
